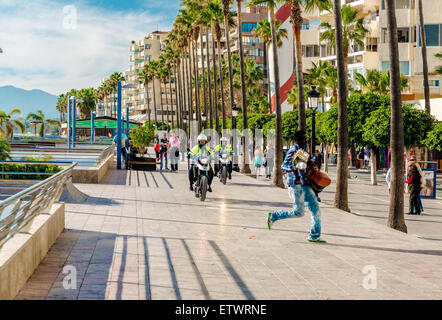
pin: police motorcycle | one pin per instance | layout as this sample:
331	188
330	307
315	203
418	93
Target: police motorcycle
201	171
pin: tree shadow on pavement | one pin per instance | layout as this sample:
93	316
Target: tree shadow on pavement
427	252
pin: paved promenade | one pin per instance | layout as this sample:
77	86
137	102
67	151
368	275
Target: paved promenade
143	235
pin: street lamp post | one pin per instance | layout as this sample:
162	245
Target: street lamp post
92	126
313	99
119	116
235	111
204	119
127	121
68	127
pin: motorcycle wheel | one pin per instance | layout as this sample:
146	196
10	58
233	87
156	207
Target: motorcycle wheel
203	188
224	175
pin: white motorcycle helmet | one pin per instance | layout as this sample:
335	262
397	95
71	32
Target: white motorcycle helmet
224	139
202	137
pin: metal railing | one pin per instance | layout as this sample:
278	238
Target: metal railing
18	210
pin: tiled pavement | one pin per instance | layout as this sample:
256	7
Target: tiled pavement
143	235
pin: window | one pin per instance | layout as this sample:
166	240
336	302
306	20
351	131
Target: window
355	59
357	48
400	4
433	83
372	44
403	35
310	51
248	27
404	67
148	46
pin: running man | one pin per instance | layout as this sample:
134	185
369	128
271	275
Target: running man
299	191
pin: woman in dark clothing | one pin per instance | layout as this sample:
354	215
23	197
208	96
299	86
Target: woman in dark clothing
414	186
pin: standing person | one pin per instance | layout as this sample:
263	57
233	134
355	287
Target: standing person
413	161
174	149
299	191
318	159
269	156
258	160
366	157
164	147
123	146
414	186
157	149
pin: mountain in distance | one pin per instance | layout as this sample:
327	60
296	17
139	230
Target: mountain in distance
28	101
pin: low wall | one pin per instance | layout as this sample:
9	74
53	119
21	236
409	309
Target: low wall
22	254
92	175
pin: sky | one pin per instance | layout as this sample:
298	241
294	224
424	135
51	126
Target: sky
57	45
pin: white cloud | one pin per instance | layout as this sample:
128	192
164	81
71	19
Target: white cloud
40	54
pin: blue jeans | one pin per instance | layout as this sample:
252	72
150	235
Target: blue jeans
163	155
302	196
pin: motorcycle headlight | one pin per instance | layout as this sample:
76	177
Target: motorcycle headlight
204	161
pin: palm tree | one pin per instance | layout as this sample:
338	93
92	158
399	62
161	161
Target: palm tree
297	20
39	117
317	76
253	74
154	66
396	212
424	57
277	174
245	168
88	95
378	81
354	32
5	118
263	32
341	196
145	76
113	82
226	14
62	105
162	78
217	21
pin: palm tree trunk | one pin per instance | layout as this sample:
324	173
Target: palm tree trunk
299	77
177	94
197	86
189	88
424	67
221	86
148	101
396	211
269	93
171	99
215	93
229	58
277	174
209	81
184	105
245	168
341	196
162	105
155	102
203	78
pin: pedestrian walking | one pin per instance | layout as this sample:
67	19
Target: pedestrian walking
366	157
413	161
318	159
414	186
258	160
269	160
164	147
174	151
295	166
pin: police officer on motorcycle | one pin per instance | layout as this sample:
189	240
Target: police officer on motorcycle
196	151
224	147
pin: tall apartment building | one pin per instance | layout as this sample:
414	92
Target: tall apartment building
410	54
137	99
360	58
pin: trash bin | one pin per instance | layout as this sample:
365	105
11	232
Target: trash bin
335	159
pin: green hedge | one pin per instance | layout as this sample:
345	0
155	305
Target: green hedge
49	168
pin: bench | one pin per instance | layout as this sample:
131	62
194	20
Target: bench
43	143
143	162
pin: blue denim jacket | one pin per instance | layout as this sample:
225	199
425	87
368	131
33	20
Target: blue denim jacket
294	176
